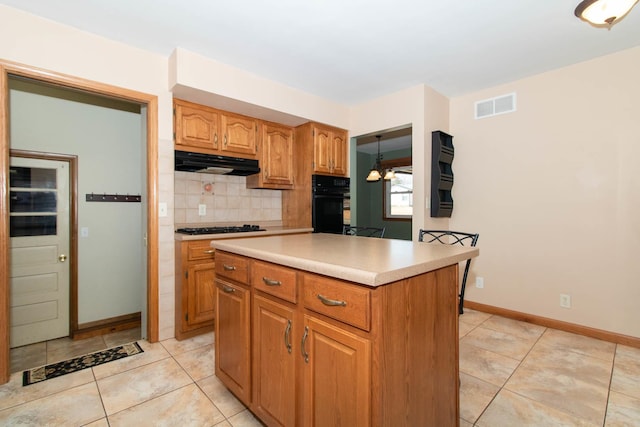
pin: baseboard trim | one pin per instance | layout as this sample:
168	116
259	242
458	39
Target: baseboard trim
555	324
107	326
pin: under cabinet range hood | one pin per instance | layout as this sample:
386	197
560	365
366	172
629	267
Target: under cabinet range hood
215	164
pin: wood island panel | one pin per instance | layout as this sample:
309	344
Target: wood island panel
398	367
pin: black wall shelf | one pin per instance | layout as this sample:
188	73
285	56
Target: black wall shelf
442	153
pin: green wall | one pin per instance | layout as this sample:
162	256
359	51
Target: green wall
369	197
107	136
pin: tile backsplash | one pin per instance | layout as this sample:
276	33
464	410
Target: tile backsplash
226	199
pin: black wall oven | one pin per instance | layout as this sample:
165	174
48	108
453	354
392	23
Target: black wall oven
328	197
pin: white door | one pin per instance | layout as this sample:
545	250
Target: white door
39	230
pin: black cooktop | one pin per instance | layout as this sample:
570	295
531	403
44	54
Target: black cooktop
219	230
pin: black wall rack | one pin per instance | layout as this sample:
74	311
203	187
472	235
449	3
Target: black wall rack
93	197
442	153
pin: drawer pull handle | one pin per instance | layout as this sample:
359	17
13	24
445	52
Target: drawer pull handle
332	302
229	267
271	282
228	289
287	336
210	252
304	340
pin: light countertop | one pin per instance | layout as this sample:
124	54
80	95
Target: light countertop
269	231
365	260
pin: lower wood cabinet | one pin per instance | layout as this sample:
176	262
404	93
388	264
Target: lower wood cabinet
336	386
274	362
195	302
319	351
232	341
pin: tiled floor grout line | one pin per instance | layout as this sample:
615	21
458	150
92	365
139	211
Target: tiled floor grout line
613	365
502	387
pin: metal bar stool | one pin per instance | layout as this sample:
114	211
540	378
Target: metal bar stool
448	237
363	231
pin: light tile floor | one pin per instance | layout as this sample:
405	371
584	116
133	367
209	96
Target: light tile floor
512	374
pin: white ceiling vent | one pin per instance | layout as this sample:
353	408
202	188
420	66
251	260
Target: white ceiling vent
494	106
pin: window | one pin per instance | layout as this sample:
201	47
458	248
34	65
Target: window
398	192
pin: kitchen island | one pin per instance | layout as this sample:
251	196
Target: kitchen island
332	330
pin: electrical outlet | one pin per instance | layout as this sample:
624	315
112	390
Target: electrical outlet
480	282
202	210
162	209
565	300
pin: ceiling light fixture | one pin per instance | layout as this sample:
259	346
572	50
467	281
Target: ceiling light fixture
376	171
603	13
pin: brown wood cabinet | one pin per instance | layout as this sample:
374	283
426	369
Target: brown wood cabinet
274	363
336	376
329	352
240	134
206	130
329	150
194	282
276	158
318	149
195	126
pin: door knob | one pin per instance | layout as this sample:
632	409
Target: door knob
62	258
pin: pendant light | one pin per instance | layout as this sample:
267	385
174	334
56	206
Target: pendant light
376	171
603	13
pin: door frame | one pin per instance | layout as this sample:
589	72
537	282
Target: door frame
8	68
72	161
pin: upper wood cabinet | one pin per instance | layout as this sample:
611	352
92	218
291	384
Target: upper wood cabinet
240	134
207	130
329	150
276	158
195	125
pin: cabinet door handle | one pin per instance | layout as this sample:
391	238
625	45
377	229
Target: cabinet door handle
228	267
225	139
304	340
228	289
332	302
271	282
287	336
210	252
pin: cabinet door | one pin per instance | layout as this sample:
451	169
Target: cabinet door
233	339
196	126
274	397
339	146
321	150
200	295
336	376
277	155
239	134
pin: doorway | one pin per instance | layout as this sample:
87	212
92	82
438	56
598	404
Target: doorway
150	162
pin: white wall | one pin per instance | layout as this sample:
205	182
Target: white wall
110	275
554	191
38	42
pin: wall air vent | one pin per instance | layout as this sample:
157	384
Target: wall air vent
495	106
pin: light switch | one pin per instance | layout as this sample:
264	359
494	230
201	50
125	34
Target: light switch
162	209
84	231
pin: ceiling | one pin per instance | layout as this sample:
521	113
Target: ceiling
351	51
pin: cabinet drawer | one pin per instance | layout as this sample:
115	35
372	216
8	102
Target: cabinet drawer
347	303
275	280
232	266
200	249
